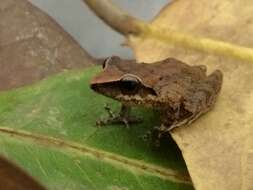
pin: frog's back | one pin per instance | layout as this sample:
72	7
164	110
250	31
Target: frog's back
177	78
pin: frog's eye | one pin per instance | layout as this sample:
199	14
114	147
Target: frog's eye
129	84
106	62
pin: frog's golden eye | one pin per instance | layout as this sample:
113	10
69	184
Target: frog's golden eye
129	84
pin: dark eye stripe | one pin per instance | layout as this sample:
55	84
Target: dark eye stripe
129	85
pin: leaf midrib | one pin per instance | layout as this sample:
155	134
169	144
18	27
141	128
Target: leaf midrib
127	163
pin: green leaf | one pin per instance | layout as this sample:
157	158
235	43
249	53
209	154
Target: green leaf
49	130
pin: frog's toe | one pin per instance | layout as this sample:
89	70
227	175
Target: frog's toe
129	120
119	119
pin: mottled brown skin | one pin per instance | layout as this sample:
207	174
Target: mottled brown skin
179	91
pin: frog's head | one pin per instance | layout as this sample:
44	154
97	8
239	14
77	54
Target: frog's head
124	81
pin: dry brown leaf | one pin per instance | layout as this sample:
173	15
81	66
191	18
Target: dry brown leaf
14	178
218	147
33	46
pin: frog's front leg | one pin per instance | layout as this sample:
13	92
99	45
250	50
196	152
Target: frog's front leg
122	117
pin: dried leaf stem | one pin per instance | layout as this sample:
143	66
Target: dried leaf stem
206	45
115	17
128	25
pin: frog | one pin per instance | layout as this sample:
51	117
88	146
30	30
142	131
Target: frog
179	92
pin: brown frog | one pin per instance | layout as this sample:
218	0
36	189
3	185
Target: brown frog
180	92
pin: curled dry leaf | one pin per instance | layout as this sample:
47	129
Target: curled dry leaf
13	178
218	148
